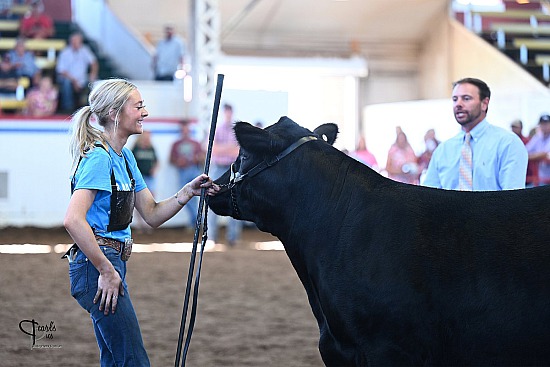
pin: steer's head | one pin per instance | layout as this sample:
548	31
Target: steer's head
258	184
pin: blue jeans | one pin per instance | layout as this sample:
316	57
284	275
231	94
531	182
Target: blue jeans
234	226
118	335
187	174
67	94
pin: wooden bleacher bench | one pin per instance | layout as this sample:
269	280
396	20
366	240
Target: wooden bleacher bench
20	9
521	28
533	43
506	30
533	16
530	44
514	14
544	61
44	63
9	25
8	43
12	103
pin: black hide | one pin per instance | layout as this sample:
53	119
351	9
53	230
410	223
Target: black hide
398	274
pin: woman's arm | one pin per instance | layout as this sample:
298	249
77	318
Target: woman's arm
155	213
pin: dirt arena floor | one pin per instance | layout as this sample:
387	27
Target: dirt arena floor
253	310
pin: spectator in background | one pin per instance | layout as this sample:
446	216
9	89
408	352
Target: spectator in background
169	55
187	155
363	155
42	98
401	165
224	152
146	158
482	157
517	128
5	9
539	150
147	163
23	61
8	78
35	23
76	67
532	166
431	143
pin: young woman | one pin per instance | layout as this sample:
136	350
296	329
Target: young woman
106	186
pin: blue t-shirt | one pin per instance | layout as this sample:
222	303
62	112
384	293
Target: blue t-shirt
94	173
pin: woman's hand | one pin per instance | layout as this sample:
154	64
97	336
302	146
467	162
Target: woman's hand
194	187
109	286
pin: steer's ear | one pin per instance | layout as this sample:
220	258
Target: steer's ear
327	132
251	138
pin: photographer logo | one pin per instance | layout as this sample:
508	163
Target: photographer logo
41	335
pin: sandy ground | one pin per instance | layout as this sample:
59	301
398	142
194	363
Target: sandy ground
253	310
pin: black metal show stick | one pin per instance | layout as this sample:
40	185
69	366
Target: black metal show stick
198	223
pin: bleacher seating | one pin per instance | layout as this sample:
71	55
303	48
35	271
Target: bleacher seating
20	10
9	27
544	62
46	51
511	30
520	32
40	45
16	103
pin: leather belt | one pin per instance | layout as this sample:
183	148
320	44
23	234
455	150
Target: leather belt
123	248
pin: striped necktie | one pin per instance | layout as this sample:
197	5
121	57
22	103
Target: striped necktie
465	168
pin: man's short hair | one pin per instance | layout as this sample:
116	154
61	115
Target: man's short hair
516	123
484	91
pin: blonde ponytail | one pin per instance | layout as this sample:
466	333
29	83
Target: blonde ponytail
83	135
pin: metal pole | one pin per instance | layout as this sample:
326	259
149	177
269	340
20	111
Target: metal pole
201	210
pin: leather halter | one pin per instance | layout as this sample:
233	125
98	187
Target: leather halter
236	177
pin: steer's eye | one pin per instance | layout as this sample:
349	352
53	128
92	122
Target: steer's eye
243	159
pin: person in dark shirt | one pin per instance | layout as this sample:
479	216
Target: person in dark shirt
146	158
8	77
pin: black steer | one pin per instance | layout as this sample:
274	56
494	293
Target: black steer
397	274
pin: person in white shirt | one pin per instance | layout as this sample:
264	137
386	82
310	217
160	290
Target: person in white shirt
169	55
76	67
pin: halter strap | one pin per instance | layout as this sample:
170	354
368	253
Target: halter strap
236	177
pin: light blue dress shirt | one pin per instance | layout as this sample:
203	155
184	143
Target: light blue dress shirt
499	160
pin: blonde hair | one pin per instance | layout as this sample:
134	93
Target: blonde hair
105	97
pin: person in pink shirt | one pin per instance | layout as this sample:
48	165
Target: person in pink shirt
363	155
42	99
401	165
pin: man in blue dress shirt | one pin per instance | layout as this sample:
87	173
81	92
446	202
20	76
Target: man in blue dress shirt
499	158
